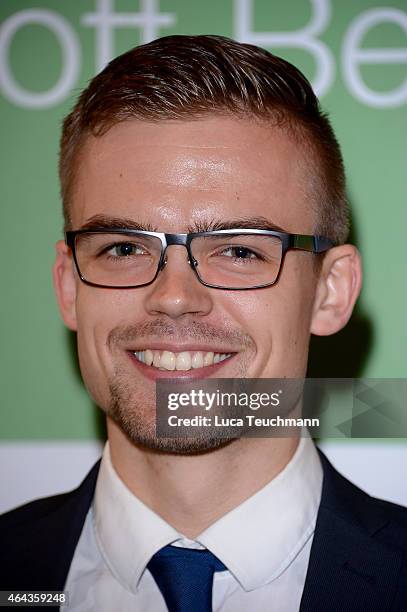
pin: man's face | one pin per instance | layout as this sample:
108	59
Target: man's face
174	177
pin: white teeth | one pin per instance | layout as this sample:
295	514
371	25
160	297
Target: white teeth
197	360
167	360
208	359
186	360
183	361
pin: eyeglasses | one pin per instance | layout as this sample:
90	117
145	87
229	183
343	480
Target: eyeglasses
224	259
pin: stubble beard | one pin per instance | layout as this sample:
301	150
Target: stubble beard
132	405
135	414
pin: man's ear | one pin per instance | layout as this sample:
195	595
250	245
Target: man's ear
64	284
337	290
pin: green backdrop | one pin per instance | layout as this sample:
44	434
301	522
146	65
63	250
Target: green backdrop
355	53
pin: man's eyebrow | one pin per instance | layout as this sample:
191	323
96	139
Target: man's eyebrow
256	222
106	222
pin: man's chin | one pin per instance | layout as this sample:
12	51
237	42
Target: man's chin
176	446
137	423
145	438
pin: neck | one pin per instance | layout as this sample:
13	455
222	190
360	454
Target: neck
191	492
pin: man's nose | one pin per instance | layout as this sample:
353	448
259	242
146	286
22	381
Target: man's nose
177	291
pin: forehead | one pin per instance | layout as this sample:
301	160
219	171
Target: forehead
170	175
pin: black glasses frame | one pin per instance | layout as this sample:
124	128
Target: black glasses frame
303	242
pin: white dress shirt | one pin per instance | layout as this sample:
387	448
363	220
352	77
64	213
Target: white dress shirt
264	542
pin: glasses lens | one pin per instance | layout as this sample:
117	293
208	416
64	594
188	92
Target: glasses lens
117	260
237	260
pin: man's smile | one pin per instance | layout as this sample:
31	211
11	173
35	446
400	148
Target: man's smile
186	363
184	360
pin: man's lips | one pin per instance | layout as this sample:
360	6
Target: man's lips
154	373
178	347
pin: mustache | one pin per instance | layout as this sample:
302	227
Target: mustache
193	330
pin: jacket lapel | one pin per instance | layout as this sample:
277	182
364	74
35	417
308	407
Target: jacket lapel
349	568
48	532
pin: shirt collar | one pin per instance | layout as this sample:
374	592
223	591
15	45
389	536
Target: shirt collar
261	537
278	520
127	531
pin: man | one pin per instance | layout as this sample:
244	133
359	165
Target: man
203	135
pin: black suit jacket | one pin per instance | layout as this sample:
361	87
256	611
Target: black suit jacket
357	561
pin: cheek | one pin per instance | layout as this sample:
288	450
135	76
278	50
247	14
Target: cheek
98	312
278	319
295	303
273	313
298	288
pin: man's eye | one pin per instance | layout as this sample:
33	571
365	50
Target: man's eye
125	249
239	252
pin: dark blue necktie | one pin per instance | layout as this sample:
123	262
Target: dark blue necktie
185	577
